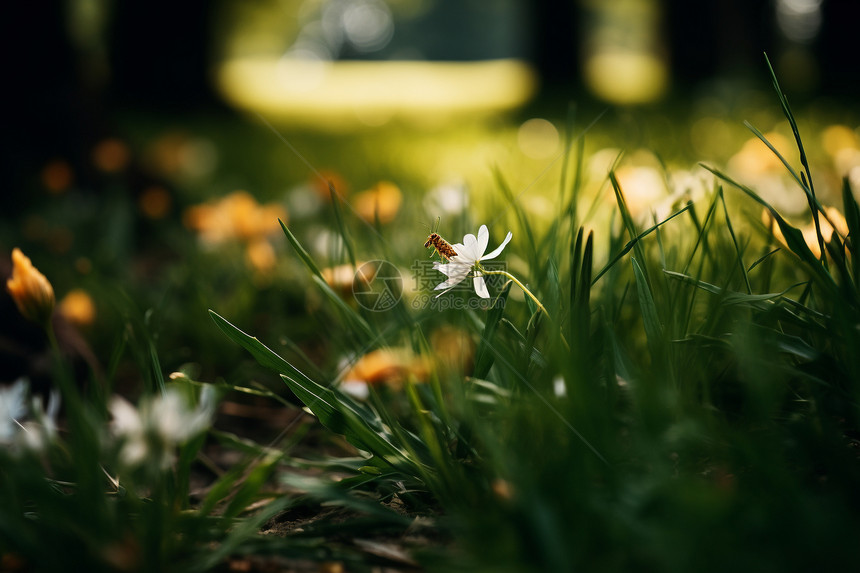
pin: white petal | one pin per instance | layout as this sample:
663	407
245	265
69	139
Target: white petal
495	253
453	281
13	405
134	450
480	286
453	269
456	273
126	418
469	250
447	285
483	239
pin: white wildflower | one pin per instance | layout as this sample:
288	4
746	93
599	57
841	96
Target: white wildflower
37	433
153	430
470	254
13	407
23	428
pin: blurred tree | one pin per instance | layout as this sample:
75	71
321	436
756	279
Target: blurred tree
717	38
160	54
46	107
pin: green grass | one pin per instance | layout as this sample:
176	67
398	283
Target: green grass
689	401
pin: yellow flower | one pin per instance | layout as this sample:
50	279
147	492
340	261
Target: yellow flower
390	366
30	290
261	255
78	307
381	201
234	216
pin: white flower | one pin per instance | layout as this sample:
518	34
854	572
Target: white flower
40	427
153	430
470	253
43	429
13	407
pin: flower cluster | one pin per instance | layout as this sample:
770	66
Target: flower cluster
238	216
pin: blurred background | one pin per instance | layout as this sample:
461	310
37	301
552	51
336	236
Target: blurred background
76	68
149	147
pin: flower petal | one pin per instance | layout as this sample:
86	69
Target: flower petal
456	273
495	253
483	239
453	268
469	249
480	286
450	283
126	419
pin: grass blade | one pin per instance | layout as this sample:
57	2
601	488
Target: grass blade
341	226
738	252
521	216
300	250
261	353
484	356
630	244
650	317
352	317
336	413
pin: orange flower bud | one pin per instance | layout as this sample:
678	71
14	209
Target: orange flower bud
30	290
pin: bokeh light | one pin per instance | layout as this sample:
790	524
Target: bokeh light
624	60
538	138
155	202
57	176
111	155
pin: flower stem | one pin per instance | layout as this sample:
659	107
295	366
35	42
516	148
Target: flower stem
530	295
62	375
521	285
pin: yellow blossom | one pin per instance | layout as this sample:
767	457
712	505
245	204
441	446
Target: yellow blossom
30	290
235	216
78	307
382	201
261	255
389	366
325	180
341	278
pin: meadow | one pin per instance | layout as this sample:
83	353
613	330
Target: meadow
250	365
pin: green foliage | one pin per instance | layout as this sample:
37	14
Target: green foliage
713	445
693	408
